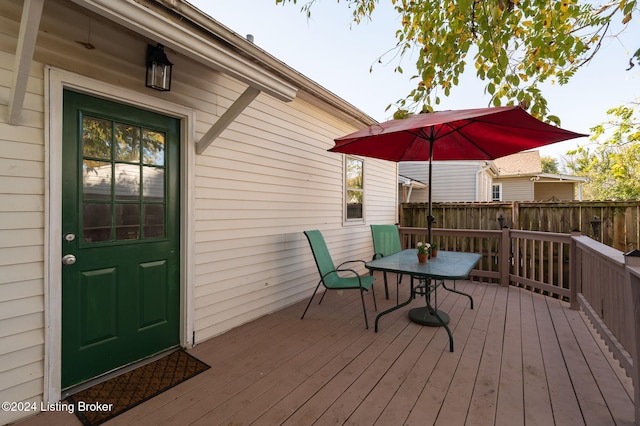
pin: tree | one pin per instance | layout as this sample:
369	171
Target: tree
549	165
612	161
514	45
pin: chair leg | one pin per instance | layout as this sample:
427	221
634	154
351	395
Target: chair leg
310	300
364	309
323	294
386	287
373	293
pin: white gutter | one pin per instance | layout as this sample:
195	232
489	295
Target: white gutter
410	183
487	166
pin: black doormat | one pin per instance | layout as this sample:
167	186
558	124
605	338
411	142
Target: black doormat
108	399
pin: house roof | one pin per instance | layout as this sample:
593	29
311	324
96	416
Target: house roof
311	91
521	163
528	164
546	177
405	181
185	30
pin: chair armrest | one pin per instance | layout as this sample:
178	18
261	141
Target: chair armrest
350	261
340	269
353	271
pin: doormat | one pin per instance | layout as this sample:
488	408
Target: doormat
108	399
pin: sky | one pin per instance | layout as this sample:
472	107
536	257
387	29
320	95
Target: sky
334	52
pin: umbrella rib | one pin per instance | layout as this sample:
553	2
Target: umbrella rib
459	129
416	134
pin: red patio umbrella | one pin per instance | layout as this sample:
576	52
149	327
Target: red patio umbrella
469	134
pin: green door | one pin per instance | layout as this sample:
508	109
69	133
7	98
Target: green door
120	228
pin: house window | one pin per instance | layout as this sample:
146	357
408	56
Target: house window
354	188
496	192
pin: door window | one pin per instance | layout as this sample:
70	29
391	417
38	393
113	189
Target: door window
123	181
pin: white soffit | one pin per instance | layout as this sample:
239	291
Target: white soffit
180	39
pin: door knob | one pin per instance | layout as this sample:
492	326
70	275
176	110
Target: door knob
68	259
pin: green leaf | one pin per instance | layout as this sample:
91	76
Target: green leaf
554	119
517	43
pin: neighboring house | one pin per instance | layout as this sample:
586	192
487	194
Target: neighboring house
406	187
516	177
520	178
178	214
451	180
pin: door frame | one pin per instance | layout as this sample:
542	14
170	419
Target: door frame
56	81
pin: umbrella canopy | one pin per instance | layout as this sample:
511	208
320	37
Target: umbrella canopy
470	134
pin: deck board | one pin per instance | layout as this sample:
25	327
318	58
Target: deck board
520	358
537	403
510	406
482	409
562	397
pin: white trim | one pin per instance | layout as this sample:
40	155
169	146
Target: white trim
56	81
29	25
499	185
345	190
227	118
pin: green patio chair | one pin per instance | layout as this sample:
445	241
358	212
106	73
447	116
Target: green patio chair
386	241
349	279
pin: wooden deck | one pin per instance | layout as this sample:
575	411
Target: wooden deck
520	358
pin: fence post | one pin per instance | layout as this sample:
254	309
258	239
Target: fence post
574	266
632	260
505	257
515	215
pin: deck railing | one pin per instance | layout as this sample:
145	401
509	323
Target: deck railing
603	292
589	275
535	260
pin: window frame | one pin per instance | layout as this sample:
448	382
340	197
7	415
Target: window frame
347	189
499	187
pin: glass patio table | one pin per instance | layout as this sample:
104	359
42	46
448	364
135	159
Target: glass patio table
448	265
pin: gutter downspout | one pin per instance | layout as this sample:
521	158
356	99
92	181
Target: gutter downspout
482	169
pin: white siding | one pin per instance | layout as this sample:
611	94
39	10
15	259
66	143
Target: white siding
21	230
451	180
516	189
267	179
554	190
264	181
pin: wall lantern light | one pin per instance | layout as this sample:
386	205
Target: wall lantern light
501	221
158	69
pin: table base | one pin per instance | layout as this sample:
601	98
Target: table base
424	316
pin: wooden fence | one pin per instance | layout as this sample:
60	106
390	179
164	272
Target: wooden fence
616	223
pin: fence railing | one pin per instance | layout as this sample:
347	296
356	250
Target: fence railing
534	260
633	271
575	268
486	243
603	292
614	223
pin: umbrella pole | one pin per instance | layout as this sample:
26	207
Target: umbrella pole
430	217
